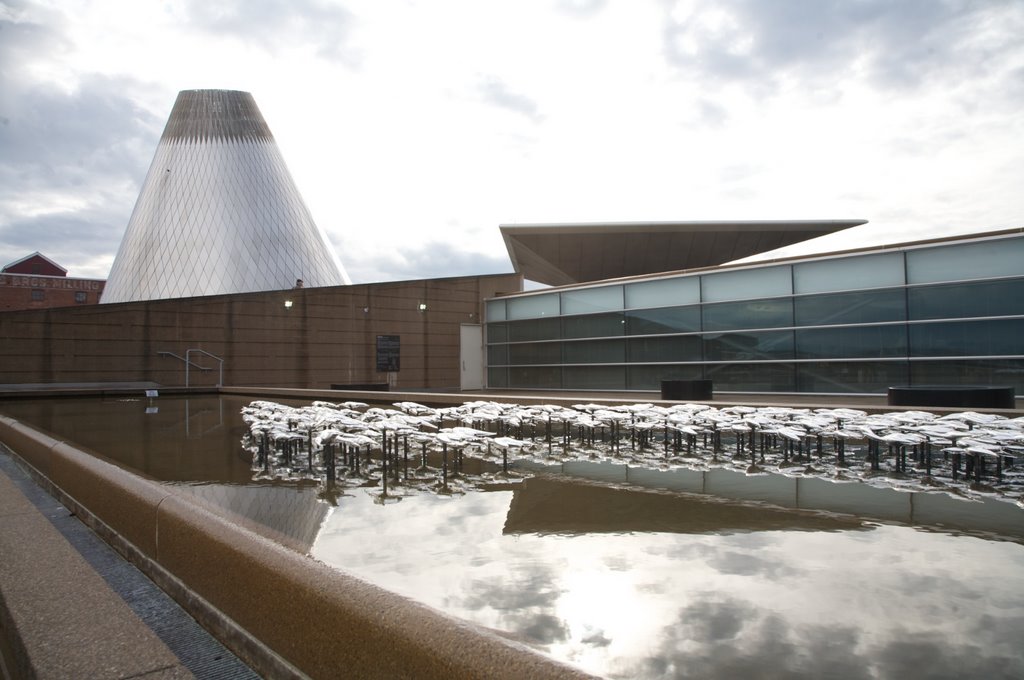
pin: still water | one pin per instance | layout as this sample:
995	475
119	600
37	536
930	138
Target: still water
628	572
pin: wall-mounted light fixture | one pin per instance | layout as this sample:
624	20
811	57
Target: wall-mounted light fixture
423	306
287	304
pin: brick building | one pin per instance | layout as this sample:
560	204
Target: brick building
37	282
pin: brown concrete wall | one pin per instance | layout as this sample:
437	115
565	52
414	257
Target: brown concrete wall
328	336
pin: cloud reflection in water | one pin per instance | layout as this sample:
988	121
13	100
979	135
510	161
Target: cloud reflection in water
763	600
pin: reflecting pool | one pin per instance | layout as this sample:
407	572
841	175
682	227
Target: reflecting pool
765	594
623	571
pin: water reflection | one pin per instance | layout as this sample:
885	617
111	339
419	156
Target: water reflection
192	444
631	571
980	515
291	515
172	439
750	599
548	504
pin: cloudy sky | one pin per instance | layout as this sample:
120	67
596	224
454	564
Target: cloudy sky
413	129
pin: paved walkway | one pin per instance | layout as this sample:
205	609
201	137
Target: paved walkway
71	607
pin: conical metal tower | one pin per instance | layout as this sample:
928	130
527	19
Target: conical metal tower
218	211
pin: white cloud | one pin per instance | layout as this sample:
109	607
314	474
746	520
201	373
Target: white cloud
422	126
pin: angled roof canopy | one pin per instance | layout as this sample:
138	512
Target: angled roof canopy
563	254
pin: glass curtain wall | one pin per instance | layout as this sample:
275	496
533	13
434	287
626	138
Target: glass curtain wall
949	313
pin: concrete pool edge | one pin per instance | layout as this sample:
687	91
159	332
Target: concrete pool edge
867	403
870	403
283	612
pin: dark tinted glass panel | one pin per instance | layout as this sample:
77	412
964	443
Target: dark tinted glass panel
861	307
854	376
497	377
664	320
748	314
650	377
758	377
592	325
988	298
594	377
535	353
594	352
967	338
746	346
535	376
675	348
851	342
497	332
497	355
534	329
1006	372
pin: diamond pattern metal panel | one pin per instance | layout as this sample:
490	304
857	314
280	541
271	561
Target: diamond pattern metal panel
218	211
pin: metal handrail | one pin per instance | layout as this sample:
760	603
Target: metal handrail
189	363
183	360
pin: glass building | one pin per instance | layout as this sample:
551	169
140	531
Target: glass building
219	212
948	312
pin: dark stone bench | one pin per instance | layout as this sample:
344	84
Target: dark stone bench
974	396
686	390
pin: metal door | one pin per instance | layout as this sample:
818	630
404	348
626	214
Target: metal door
471	355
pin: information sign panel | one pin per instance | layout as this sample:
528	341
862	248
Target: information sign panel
388	352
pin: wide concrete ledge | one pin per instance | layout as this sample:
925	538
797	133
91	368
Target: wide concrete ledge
58	616
284	613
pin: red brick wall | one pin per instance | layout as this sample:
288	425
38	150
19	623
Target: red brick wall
22	291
